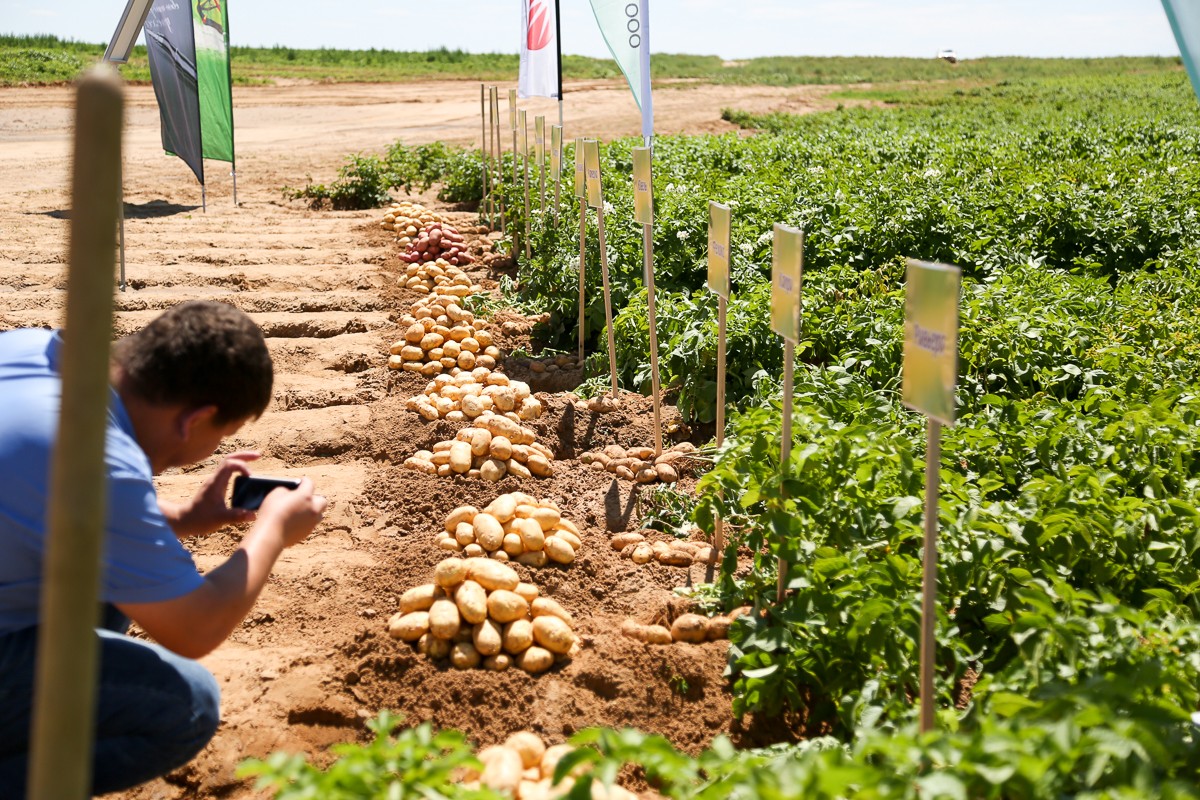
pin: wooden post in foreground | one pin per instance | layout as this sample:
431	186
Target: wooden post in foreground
930	376
643	212
787	273
608	312
60	756
485	203
933	460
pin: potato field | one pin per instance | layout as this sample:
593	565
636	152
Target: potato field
520	596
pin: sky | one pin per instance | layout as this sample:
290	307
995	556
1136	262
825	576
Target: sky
733	29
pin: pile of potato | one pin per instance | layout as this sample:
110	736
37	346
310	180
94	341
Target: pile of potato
635	547
440	336
552	364
494	446
441	277
523	768
638	463
406	219
689	628
514	526
477	612
468	395
437	241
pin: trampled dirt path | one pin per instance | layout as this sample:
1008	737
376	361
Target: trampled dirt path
313	659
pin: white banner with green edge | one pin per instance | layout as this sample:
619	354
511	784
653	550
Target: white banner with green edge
210	21
625	26
1185	23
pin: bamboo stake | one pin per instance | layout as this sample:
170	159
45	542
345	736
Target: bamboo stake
539	132
718	523
516	182
582	272
648	270
485	201
608	315
498	149
933	458
64	704
785	455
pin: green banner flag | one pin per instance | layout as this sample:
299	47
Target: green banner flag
1185	24
625	26
210	20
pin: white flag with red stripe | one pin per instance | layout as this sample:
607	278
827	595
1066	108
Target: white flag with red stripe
540	67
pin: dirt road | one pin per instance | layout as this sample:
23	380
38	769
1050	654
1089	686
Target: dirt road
313	659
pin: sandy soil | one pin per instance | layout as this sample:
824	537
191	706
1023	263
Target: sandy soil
313	659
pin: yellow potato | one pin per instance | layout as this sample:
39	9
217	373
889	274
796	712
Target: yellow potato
419	598
501	769
409	627
513	545
551	757
530	533
493	469
553	634
527	590
460	457
533	558
460	514
539	465
623	540
517	636
488	531
718	628
464	655
435	648
444	619
545	607
450	572
506	606
498	662
570	539
465	534
689	628
529	746
504	507
559	551
481	440
487	638
471	600
493	576
535	659
501	448
515	467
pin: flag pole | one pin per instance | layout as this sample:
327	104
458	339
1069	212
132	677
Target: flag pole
558	44
229	72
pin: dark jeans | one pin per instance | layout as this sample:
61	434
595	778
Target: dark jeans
155	710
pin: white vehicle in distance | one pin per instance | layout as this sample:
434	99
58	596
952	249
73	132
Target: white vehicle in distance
948	54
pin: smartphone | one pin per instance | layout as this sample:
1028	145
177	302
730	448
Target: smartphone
250	491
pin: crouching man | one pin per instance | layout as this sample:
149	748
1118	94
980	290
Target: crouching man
181	385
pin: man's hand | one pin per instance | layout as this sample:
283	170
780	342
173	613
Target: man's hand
297	511
208	512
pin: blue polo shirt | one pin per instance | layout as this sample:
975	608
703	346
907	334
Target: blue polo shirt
143	560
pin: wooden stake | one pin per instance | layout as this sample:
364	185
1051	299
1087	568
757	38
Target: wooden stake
485	201
582	272
933	459
516	182
718	523
648	269
528	211
498	149
64	702
608	315
789	366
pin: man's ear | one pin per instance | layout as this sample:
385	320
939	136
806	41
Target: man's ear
188	420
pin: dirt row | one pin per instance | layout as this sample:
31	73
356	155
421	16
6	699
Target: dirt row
313	660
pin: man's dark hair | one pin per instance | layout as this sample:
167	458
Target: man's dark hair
200	353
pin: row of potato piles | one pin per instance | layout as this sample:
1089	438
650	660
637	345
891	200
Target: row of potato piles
639	463
638	549
523	768
687	628
514	526
478	612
